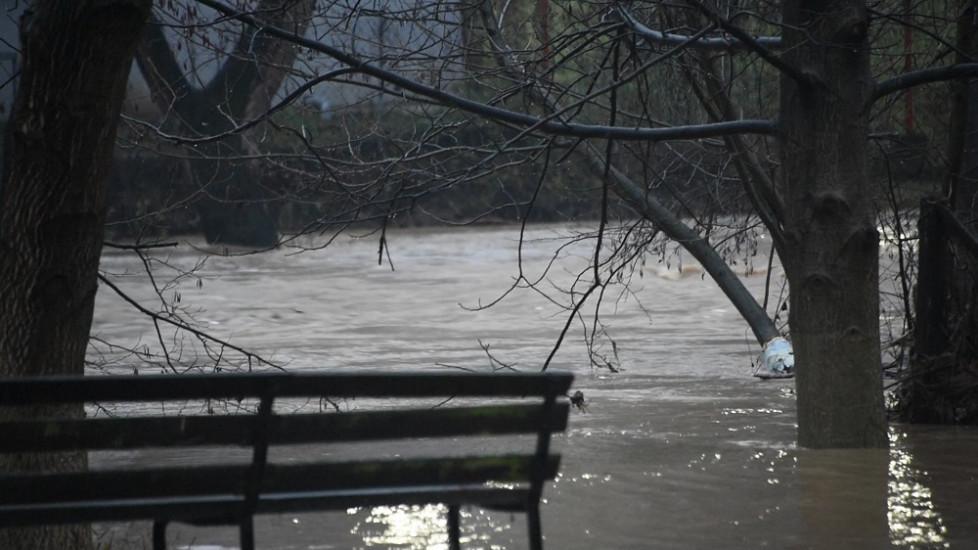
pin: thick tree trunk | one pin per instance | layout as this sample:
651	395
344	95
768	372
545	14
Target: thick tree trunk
76	59
832	246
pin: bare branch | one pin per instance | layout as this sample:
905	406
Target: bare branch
649	207
753	45
706	42
756	181
138	246
156	317
924	76
690	132
239	128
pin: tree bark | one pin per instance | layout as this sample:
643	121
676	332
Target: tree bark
832	245
58	149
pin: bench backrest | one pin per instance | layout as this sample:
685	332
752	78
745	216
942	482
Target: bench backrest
222	490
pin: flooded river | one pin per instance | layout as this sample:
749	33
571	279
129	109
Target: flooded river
681	448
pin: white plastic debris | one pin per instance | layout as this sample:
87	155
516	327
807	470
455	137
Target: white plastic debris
777	359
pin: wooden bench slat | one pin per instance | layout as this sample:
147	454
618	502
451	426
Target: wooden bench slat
278	478
186	431
515	468
68	389
224	508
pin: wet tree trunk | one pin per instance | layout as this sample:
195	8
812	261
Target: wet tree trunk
75	64
832	246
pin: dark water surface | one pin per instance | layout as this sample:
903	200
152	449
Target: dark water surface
681	449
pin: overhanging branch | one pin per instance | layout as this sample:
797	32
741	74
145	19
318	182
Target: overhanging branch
924	76
705	43
690	132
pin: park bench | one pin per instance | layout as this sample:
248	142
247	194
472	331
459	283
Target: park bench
231	494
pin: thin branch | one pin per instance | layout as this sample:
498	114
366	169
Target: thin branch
924	76
184	326
753	45
756	181
705	43
120	246
285	102
690	132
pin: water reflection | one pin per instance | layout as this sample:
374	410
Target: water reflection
914	521
418	527
869	498
849	499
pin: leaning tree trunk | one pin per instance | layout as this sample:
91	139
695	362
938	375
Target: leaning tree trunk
832	247
76	59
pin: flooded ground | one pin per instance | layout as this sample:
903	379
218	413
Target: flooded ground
680	449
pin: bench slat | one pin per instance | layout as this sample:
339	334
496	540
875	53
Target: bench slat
222	480
222	508
186	431
68	389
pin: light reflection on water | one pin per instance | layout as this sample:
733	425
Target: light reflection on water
423	527
414	527
914	522
911	517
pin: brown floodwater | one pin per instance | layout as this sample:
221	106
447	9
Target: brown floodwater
680	449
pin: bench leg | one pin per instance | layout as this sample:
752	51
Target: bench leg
453	528
159	535
533	526
247	531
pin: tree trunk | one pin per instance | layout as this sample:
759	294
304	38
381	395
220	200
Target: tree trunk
235	207
963	264
943	383
832	245
76	60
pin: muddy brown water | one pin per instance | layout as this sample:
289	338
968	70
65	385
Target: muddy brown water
680	449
